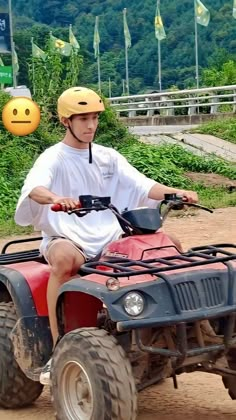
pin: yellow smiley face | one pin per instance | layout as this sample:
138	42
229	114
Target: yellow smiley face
21	116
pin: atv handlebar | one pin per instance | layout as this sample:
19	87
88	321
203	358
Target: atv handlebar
88	203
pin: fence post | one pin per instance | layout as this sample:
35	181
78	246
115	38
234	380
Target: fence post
214	108
150	112
169	111
234	105
131	114
192	110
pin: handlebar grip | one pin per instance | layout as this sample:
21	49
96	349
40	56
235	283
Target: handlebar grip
56	207
59	207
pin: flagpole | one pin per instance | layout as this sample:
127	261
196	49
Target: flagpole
196	52
109	87
159	54
96	46
159	65
99	70
126	62
123	86
33	67
12	44
127	70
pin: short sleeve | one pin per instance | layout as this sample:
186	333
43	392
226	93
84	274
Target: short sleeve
40	175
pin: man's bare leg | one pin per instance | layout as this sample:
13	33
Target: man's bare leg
175	241
65	261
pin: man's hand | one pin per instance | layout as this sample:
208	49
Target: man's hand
67	203
158	192
189	196
43	196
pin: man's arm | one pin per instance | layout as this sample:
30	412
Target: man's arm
158	191
43	196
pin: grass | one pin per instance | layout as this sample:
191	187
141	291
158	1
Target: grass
224	129
216	198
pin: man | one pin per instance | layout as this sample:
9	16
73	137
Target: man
71	168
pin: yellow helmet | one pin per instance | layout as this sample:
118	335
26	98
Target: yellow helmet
78	100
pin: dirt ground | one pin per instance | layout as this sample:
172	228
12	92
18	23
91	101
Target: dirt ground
199	396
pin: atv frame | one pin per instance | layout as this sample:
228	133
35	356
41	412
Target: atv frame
105	354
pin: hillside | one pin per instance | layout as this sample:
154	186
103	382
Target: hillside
217	42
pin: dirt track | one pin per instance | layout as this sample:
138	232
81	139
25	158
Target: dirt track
200	396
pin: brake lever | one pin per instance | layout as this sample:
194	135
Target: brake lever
81	212
198	206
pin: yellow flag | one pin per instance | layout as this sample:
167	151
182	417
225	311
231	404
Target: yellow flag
126	31
64	48
96	38
159	28
15	61
202	14
73	40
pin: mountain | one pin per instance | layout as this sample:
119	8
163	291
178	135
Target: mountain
217	42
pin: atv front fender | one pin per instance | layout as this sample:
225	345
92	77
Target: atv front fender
31	336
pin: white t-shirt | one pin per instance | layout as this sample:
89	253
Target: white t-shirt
66	172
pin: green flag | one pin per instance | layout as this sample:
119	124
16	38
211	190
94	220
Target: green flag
126	31
73	40
159	28
202	14
15	61
37	52
64	48
96	38
234	9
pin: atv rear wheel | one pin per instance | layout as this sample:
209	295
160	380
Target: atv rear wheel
16	390
92	378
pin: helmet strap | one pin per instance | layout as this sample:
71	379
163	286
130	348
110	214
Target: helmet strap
81	141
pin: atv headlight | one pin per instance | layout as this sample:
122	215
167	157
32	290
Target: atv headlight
134	303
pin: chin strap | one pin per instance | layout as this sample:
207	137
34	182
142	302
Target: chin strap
81	141
90	153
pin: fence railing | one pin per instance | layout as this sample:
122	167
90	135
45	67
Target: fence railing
192	101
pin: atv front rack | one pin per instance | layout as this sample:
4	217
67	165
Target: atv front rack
123	267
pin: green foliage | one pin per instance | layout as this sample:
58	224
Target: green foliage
220	76
216	42
111	131
222	128
16	157
168	163
51	77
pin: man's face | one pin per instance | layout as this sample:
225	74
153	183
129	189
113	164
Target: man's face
85	125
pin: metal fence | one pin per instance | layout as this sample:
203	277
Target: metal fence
186	102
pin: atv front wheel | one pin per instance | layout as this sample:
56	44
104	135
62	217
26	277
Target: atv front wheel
92	378
16	390
230	381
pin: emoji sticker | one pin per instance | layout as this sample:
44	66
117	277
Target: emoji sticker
21	116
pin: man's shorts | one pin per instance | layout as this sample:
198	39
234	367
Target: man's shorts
54	241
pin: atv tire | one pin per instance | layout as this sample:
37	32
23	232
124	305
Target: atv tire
92	378
16	390
230	381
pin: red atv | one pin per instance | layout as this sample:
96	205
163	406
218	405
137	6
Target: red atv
140	313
